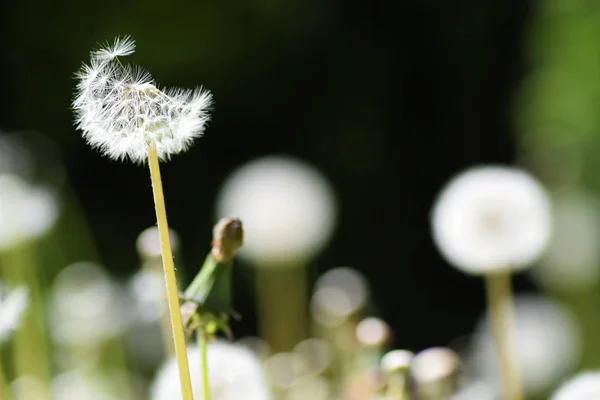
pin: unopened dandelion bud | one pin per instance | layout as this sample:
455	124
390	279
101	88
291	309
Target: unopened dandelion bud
228	236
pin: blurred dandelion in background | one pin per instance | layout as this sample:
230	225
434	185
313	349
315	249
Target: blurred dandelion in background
492	218
234	373
584	386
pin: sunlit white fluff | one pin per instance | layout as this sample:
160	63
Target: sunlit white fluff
86	306
547	344
572	261
90	385
122	112
13	304
148	291
491	218
26	212
584	386
287	206
234	373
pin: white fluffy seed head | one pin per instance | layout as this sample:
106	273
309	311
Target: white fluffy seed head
584	386
26	212
122	112
491	218
234	372
288	209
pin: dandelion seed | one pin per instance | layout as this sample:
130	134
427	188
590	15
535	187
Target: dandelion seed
13	304
122	112
491	219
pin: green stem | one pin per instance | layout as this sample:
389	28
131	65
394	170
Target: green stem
4	388
169	271
203	346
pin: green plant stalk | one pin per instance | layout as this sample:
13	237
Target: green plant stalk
500	305
31	350
282	296
169	271
203	346
4	388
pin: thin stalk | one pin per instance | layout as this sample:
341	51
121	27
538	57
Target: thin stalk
169	271
500	304
31	350
282	297
4	388
203	346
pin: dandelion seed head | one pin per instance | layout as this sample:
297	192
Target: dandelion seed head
492	218
123	113
584	386
26	212
234	373
288	210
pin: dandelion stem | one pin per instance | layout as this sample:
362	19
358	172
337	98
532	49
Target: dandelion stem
169	271
500	304
203	346
4	389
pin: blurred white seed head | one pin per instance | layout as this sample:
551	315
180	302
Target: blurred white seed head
234	373
477	390
148	242
316	353
87	307
122	112
547	344
434	364
92	385
29	388
584	386
311	387
373	332
13	304
350	281
396	361
287	206
258	346
26	212
284	369
148	290
573	256
491	218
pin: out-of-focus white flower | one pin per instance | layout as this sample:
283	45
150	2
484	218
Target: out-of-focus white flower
348	280
478	390
288	209
26	212
122	112
149	294
29	388
573	256
13	304
92	385
547	344
148	242
584	386
87	307
234	373
491	218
